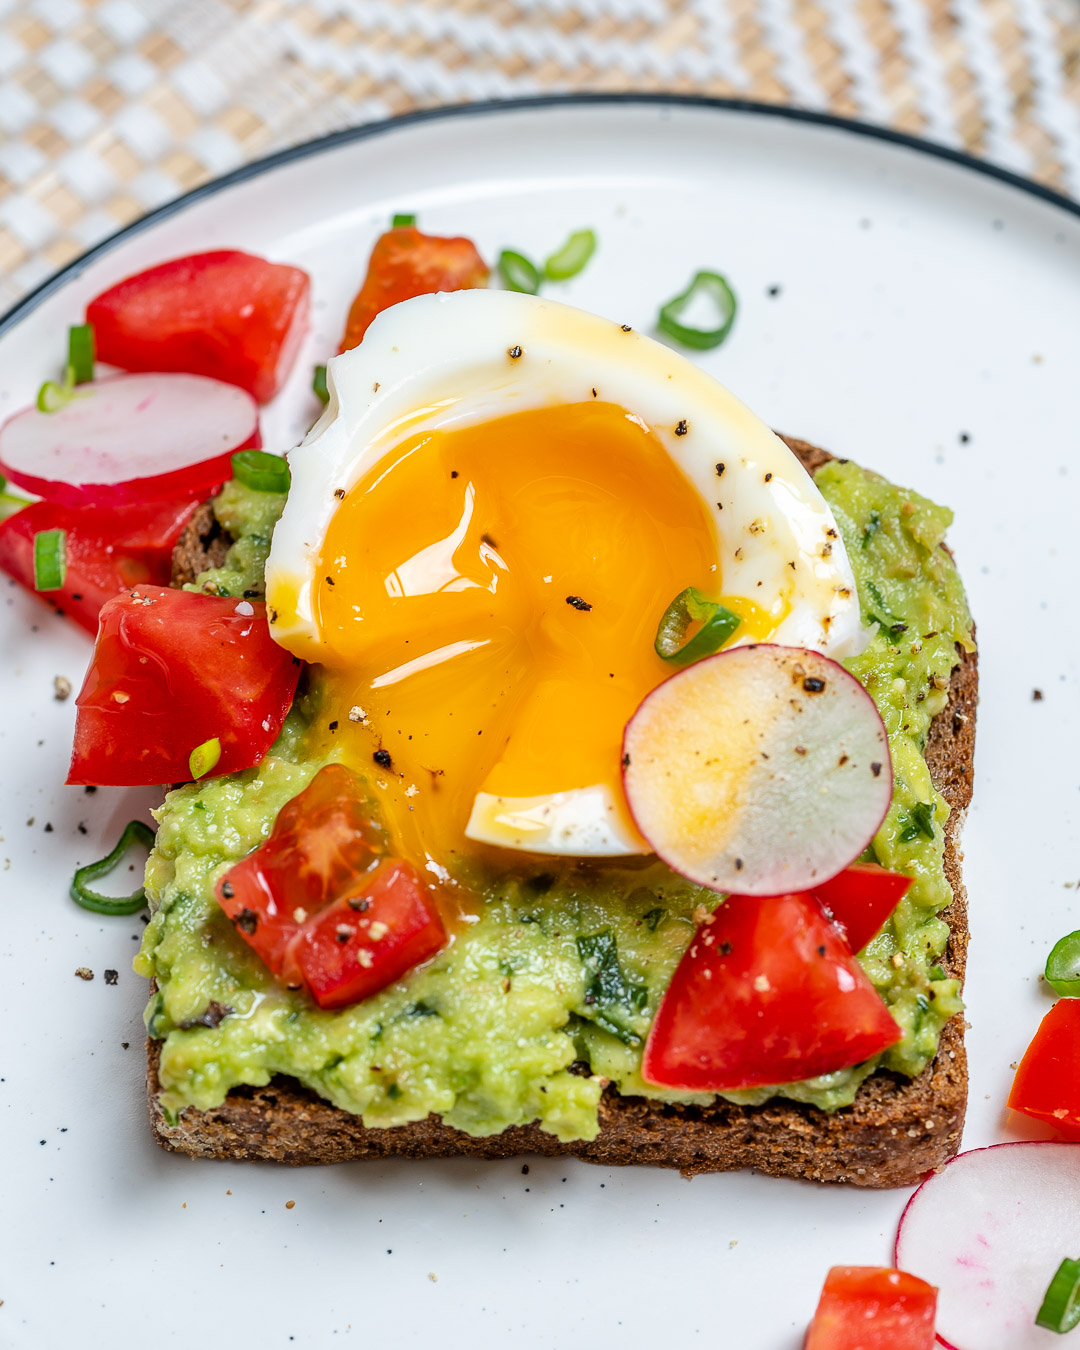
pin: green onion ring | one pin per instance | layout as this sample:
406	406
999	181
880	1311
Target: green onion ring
50	559
81	352
716	287
568	261
260	471
402	221
518	272
135	833
204	758
1060	1310
1063	966
318	384
690	606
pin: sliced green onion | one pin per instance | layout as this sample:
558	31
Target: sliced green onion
716	288
260	471
318	383
135	834
204	758
937	973
10	502
51	397
689	607
1060	1309
568	261
50	559
920	821
402	221
1063	966
81	352
518	272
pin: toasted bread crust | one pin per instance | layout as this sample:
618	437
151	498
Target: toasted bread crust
896	1131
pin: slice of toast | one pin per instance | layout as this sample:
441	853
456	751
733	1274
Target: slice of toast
896	1130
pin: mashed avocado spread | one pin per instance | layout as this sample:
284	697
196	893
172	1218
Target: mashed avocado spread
566	962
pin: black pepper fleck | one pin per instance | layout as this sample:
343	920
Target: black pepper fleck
813	685
339	493
227	890
332	726
112	976
720	470
681	428
576	602
247	921
875	769
513	352
382	759
768	478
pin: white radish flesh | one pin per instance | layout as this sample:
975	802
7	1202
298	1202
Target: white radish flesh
990	1230
130	438
760	770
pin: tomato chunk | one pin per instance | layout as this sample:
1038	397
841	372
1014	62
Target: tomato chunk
868	1308
1047	1083
108	550
368	939
171	670
323	906
405	263
766	993
226	314
861	898
321	843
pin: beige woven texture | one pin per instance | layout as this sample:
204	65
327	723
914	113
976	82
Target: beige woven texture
110	107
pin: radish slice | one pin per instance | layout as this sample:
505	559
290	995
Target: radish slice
760	770
131	438
990	1230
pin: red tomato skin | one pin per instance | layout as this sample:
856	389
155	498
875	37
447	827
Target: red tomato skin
767	993
172	669
868	1308
405	263
1047	1083
108	551
339	956
227	314
321	842
861	898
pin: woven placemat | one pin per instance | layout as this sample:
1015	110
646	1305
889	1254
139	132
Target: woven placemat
111	107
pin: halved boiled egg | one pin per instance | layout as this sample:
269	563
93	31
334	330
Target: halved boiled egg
485	527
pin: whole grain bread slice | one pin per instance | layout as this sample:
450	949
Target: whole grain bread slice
897	1129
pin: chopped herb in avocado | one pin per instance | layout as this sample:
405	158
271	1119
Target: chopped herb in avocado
610	997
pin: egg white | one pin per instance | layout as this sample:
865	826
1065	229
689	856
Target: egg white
445	361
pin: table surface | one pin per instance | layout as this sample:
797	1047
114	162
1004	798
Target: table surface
110	107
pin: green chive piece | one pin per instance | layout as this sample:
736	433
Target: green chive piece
10	502
518	272
689	607
50	559
714	287
260	471
204	758
51	397
1063	966
568	261
937	973
136	834
920	821
402	221
318	384
81	352
1060	1310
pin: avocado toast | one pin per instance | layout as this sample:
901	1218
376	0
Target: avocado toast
897	1125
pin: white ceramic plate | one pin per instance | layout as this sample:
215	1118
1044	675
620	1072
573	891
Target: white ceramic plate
897	307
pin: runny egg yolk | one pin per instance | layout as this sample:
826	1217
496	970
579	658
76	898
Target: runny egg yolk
489	598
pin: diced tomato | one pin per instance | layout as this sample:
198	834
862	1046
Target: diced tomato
861	898
368	939
171	670
1047	1083
405	263
767	993
226	314
869	1308
322	906
108	550
322	842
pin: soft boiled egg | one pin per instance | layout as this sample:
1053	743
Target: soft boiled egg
500	501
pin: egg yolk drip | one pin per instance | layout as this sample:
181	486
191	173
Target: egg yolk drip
489	598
